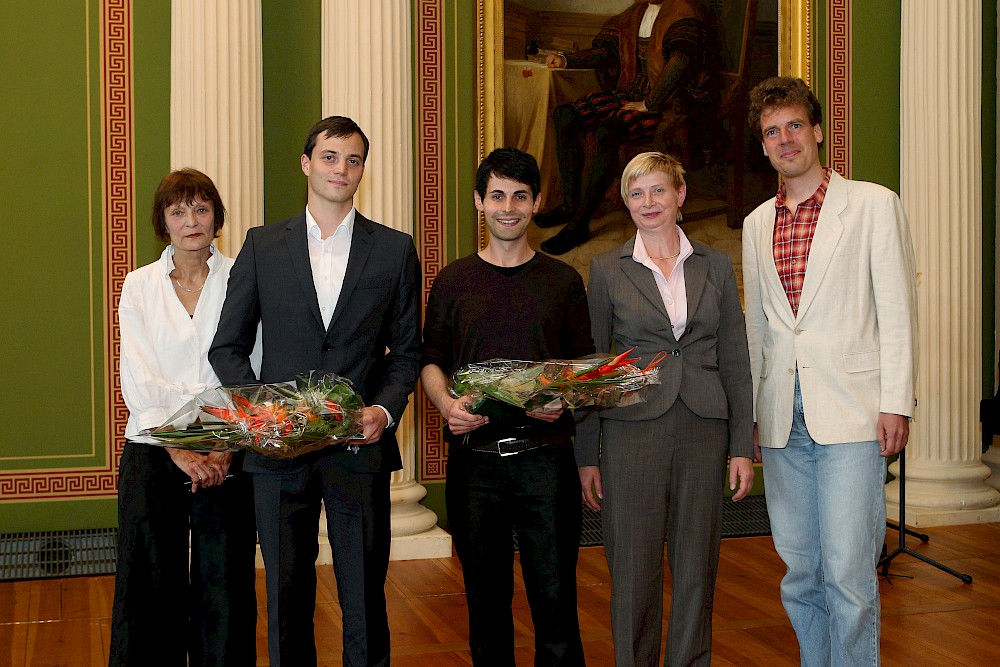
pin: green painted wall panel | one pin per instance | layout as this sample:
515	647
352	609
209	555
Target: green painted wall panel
875	92
292	100
47	218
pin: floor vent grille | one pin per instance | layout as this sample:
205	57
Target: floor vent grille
66	553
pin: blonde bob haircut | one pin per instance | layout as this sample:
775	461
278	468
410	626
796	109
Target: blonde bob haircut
647	163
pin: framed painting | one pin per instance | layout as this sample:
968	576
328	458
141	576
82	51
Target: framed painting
537	58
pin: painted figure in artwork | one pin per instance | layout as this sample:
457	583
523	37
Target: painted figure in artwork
657	66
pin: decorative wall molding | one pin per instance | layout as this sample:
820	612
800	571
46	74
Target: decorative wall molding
430	234
118	254
838	86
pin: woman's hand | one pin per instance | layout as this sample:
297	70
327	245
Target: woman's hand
741	472
590	482
201	470
222	460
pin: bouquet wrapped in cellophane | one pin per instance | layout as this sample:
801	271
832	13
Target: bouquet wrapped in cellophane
279	420
600	381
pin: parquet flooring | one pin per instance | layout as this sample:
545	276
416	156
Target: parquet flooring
931	619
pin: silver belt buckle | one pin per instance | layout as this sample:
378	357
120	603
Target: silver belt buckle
503	440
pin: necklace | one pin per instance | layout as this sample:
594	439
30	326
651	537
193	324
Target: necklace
186	289
674	256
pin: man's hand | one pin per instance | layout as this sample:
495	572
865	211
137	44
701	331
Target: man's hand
741	473
892	431
590	482
757	455
635	106
460	420
544	414
555	61
198	467
373	423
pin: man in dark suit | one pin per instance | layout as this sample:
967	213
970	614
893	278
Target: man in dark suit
333	292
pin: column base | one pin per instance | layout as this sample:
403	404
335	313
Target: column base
434	543
918	517
991	458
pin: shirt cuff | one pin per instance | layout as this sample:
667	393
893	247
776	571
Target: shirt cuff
390	422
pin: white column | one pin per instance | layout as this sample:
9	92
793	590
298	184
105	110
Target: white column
216	117
941	160
366	71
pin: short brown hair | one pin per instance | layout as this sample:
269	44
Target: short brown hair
334	126
185	185
782	91
647	163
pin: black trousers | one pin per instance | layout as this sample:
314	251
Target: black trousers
537	494
357	514
165	613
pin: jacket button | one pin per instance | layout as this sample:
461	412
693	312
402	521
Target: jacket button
326	347
676	352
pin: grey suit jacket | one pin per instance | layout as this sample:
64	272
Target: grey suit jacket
374	334
708	368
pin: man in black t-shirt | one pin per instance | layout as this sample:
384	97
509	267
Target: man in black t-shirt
513	469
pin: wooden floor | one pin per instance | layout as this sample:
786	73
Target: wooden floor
931	619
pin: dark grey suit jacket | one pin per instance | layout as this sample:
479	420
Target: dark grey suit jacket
374	333
709	368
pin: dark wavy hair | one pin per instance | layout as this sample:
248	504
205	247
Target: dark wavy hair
509	163
782	91
185	185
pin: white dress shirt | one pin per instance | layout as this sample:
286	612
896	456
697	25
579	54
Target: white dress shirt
672	289
328	260
164	351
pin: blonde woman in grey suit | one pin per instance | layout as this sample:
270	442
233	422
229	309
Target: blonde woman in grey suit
658	468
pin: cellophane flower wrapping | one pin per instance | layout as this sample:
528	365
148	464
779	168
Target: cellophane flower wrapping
279	420
598	381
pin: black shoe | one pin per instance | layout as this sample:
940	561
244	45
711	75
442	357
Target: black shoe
553	217
568	238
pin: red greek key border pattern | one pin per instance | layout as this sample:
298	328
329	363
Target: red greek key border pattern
838	85
118	197
430	202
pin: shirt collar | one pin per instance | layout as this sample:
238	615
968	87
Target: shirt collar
815	200
641	255
167	259
313	230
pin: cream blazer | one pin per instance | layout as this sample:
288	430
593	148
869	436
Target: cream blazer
854	340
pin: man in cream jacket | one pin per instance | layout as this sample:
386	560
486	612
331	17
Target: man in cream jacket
831	324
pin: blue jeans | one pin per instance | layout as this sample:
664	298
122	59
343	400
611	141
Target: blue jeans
827	509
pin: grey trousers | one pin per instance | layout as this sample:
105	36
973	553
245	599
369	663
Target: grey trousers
663	477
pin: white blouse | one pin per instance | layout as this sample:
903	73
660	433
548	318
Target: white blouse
164	351
673	289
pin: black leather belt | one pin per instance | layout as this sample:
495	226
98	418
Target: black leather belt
506	446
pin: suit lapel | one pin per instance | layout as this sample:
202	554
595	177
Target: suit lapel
361	246
829	229
298	249
695	276
644	282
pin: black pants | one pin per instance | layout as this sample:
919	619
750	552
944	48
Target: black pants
164	613
537	494
357	517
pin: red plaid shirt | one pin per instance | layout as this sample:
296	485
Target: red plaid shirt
793	236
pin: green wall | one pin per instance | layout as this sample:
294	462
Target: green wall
51	276
292	100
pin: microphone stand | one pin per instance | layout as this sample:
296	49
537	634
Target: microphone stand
903	530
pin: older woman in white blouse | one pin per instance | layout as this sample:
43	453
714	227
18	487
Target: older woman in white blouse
172	605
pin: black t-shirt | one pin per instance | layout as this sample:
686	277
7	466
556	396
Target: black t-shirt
477	311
